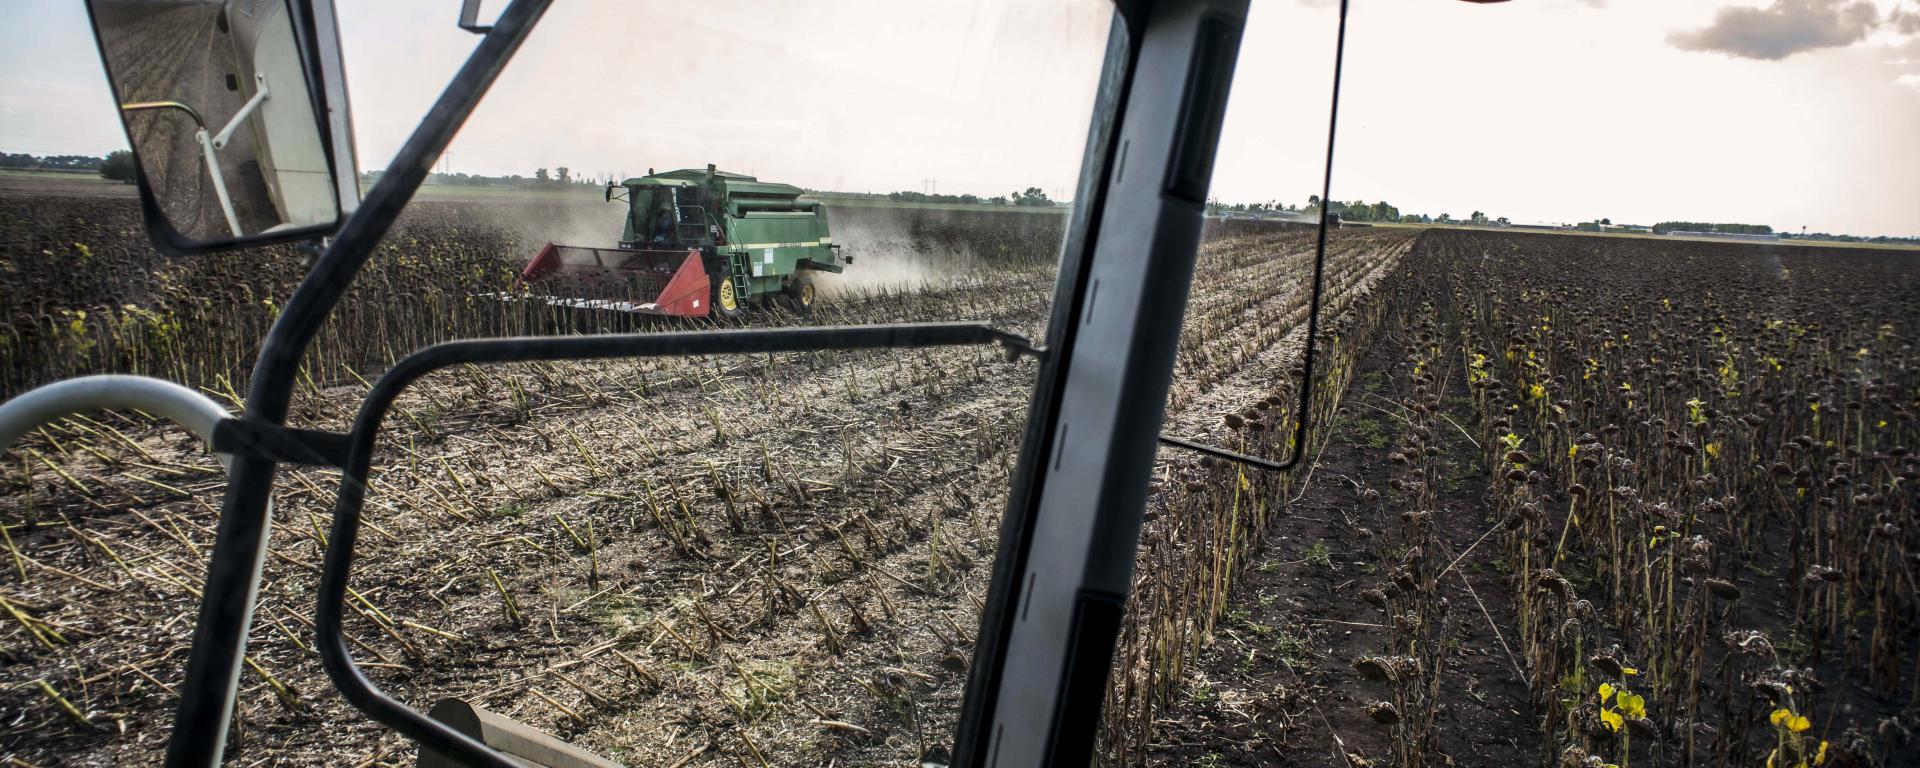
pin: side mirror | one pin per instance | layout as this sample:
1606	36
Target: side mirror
237	114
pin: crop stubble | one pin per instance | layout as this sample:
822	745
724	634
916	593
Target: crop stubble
728	559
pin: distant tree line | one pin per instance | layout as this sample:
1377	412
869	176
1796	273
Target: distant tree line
1360	211
117	165
51	162
1824	237
1701	226
1270	206
559	177
1350	211
922	197
1031	197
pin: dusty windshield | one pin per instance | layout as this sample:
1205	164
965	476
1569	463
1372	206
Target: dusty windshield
779	557
653	214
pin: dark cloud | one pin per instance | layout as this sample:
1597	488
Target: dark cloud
1783	29
1904	21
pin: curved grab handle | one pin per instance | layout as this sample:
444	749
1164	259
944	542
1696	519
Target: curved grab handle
35	407
330	635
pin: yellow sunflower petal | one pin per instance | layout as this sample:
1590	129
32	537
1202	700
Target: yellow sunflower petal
1612	719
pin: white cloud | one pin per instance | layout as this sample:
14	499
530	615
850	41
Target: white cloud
1782	29
1910	81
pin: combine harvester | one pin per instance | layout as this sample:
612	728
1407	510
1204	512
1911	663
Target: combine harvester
695	243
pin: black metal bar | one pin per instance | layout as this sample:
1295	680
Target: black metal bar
1086	461
285	445
334	655
973	733
233	575
1313	297
470	18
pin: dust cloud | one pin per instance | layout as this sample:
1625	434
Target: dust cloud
888	258
592	225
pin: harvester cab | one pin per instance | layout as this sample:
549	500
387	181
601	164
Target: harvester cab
695	243
701	242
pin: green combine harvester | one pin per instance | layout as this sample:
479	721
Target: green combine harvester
696	243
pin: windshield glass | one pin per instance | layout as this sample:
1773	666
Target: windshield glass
1614	393
1602	413
776	559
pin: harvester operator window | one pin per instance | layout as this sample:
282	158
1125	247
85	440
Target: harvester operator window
660	220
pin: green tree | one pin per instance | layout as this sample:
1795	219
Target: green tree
540	175
119	167
1033	197
566	176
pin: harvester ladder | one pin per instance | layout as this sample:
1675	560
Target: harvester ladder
742	275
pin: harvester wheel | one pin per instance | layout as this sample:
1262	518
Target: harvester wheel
727	301
800	295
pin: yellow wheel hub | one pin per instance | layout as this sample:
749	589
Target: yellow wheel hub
806	295
727	299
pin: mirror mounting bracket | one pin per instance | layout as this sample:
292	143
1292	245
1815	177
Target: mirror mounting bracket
470	18
259	95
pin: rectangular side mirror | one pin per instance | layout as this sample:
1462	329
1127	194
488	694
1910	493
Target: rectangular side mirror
237	114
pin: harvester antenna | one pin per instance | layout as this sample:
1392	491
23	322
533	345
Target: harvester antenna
1299	447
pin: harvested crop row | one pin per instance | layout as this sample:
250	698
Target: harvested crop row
781	549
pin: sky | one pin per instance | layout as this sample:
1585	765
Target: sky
1790	113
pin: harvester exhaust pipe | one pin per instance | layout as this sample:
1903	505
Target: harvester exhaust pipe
521	742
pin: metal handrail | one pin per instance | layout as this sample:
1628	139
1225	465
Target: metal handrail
330	632
29	410
139	106
206	148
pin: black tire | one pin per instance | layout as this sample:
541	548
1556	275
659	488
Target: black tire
800	294
726	300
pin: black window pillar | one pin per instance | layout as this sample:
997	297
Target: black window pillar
1073	523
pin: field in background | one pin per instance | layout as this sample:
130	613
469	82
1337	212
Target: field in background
716	561
15	182
1649	236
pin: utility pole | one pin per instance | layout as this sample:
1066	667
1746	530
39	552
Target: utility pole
930	185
